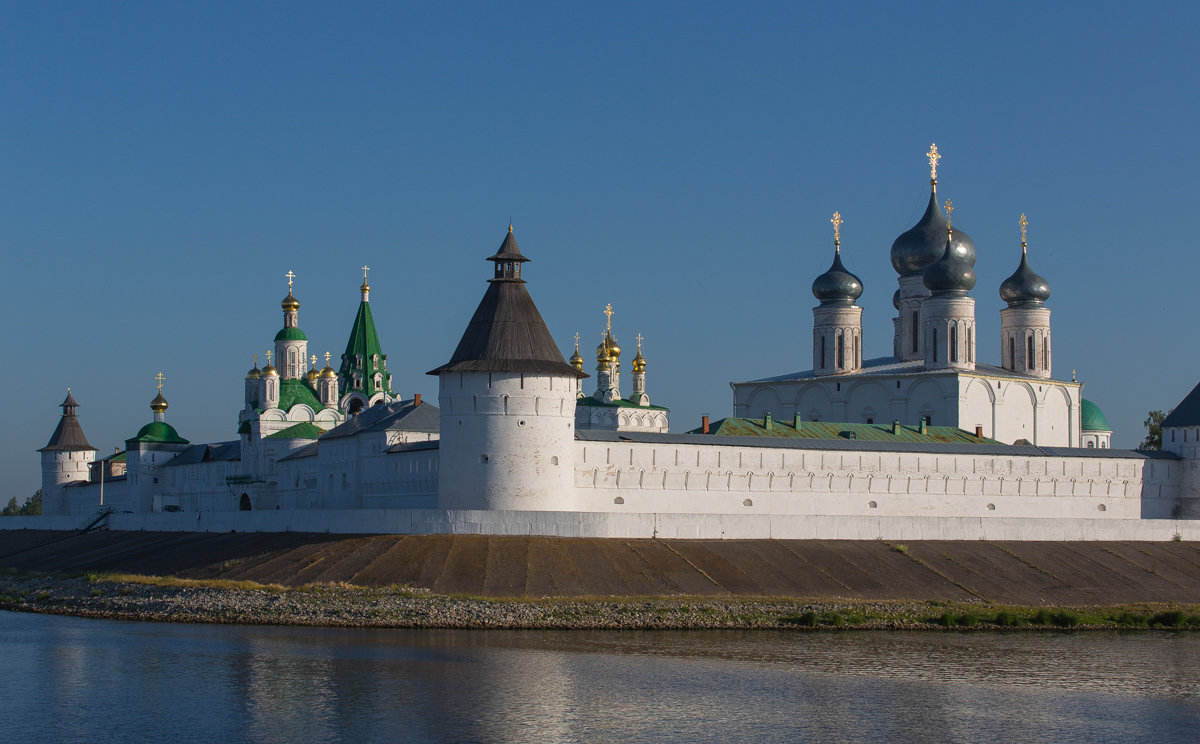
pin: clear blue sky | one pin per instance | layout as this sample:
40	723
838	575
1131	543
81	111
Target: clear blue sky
165	164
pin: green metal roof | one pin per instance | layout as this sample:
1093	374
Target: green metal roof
295	392
363	343
290	334
303	430
159	432
1093	417
618	403
744	427
244	428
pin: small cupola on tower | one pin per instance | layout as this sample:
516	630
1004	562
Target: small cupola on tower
639	396
608	362
252	382
912	253
1025	323
159	431
291	345
948	314
837	321
363	376
327	384
268	386
576	361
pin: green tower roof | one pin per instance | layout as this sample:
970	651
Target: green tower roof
363	344
303	430
290	334
295	392
159	432
1093	417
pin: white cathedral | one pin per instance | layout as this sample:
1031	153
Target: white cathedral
928	441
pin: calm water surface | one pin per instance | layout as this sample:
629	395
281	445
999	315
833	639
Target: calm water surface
68	679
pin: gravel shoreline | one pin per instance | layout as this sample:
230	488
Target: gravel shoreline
171	600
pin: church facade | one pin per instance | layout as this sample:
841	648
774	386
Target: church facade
515	444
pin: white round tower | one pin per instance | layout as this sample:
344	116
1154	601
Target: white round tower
837	321
1025	323
65	458
507	402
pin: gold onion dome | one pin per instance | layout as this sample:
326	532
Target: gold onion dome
313	374
614	351
159	404
602	356
254	373
639	362
290	303
328	372
576	360
269	371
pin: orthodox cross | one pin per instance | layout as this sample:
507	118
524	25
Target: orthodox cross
639	340
160	377
837	229
365	270
934	156
268	358
608	311
290	276
314	361
949	213
577	342
1024	224
327	355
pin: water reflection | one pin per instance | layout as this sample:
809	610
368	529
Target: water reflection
118	682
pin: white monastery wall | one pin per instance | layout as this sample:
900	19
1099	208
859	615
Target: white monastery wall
643	477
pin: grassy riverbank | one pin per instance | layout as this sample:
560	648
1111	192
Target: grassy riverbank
167	599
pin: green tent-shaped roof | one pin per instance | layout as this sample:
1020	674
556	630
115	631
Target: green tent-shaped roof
296	392
362	351
1093	417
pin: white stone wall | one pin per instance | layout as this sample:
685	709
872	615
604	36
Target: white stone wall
58	469
642	477
507	440
613	418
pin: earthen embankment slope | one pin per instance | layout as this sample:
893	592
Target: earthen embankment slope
1063	573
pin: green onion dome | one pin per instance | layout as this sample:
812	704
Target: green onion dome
1092	417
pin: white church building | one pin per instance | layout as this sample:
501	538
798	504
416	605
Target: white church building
927	443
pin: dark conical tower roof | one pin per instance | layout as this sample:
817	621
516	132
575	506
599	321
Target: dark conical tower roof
837	286
507	333
68	436
1025	288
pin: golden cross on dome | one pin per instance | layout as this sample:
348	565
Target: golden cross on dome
577	342
639	340
837	228
256	361
949	213
268	358
290	276
365	270
608	311
1024	224
313	358
160	377
934	156
327	355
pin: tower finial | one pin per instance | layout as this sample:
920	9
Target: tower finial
510	223
268	357
608	312
290	276
837	231
313	359
327	356
1024	224
934	156
365	270
160	377
256	361
576	342
949	214
639	340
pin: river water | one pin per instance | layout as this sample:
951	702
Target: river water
69	679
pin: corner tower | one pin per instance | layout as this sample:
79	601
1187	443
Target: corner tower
507	402
363	378
65	458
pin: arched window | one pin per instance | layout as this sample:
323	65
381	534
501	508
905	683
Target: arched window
1045	353
1012	353
857	352
933	342
841	350
970	346
915	331
954	343
1029	358
822	351
244	504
